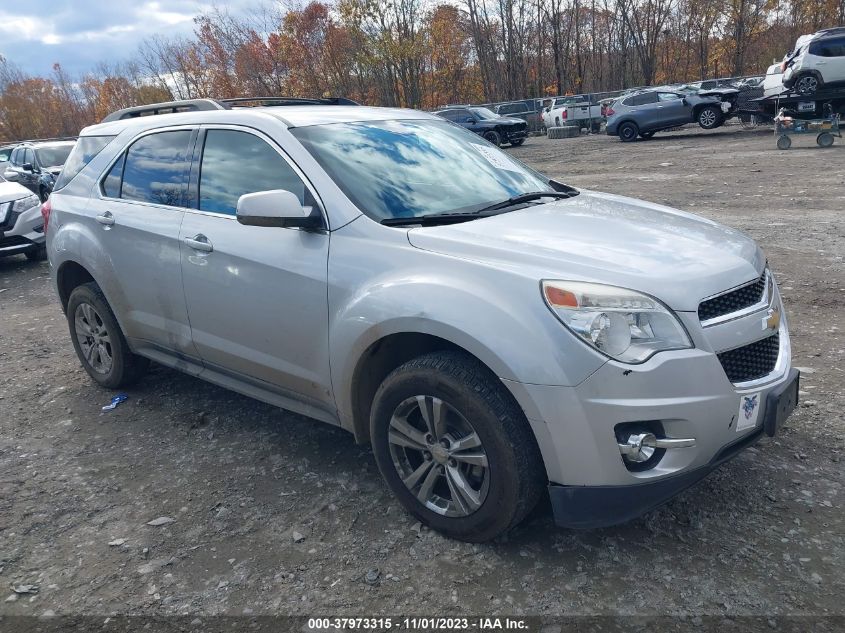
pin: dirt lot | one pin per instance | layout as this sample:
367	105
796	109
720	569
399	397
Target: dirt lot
244	482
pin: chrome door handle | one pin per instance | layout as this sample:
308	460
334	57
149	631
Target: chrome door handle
199	243
106	219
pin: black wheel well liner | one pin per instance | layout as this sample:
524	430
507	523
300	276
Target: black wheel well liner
70	275
381	358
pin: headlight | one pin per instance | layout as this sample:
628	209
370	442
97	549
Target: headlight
5	207
623	324
24	204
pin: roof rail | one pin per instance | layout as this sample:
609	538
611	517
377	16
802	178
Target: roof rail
168	107
242	102
196	105
41	140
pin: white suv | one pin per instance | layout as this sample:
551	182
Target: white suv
816	61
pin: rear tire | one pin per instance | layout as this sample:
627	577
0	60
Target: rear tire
98	340
825	139
784	142
424	412
518	142
628	132
38	254
494	137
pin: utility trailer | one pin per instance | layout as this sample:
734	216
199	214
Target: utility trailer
822	104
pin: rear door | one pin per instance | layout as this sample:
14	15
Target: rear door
831	59
257	296
137	218
646	112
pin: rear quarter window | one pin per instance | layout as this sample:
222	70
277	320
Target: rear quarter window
86	148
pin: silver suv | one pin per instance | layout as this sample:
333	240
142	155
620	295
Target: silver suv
493	334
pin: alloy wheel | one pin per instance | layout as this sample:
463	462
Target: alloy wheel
94	339
439	456
808	84
707	118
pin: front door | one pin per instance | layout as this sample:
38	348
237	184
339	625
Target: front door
256	296
672	109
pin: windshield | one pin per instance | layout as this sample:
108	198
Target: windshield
484	113
53	155
404	169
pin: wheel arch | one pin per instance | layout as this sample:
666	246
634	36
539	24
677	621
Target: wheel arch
393	350
69	275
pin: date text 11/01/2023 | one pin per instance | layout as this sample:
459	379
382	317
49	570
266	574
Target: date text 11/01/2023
418	624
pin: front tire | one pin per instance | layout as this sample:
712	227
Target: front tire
710	117
628	132
807	84
494	137
455	448
518	142
99	341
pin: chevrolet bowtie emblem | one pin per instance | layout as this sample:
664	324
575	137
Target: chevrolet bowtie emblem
772	320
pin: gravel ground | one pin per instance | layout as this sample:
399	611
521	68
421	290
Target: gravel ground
266	512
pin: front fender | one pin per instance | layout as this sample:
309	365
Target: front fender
494	314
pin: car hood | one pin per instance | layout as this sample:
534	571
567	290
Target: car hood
12	191
677	257
504	120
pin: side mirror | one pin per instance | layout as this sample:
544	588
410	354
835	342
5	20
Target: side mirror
685	102
27	167
278	207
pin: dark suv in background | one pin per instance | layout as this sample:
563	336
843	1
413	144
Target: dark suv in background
37	164
496	129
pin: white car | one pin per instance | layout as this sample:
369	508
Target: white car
816	61
21	224
773	83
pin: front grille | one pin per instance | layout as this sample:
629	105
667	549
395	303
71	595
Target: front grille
733	301
9	223
751	362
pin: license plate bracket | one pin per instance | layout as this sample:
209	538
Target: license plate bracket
780	404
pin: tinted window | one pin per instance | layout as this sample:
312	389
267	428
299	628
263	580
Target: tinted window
235	163
28	156
111	183
155	169
668	96
84	151
645	98
53	155
449	115
834	47
17	156
393	169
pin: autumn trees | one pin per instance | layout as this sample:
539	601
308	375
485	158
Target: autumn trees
421	54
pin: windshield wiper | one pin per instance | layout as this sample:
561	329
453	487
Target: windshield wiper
454	218
523	197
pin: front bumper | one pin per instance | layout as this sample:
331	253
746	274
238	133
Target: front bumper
515	135
590	507
22	233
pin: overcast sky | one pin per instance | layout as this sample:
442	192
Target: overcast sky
35	34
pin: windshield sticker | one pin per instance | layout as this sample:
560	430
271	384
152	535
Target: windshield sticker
497	159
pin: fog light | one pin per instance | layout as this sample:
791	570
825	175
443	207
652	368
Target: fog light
638	448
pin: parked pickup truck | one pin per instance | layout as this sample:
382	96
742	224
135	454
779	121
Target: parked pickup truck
575	111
